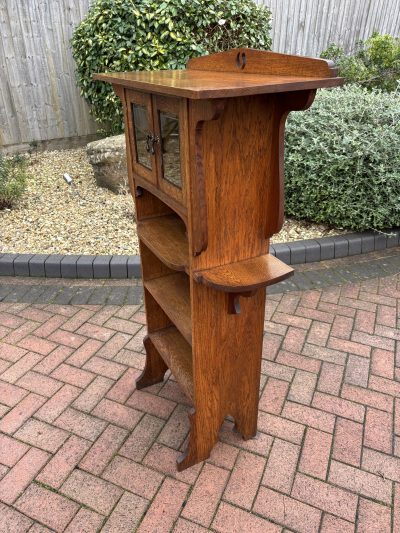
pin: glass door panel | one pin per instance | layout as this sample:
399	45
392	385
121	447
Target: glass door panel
170	117
170	148
142	139
142	132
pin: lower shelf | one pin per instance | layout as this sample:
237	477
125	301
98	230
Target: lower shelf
177	354
172	293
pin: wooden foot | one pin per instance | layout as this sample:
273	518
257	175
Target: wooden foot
155	367
246	416
247	428
201	442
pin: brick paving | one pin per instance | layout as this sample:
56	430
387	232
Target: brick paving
82	451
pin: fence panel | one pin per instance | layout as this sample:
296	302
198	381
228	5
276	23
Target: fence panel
39	99
307	27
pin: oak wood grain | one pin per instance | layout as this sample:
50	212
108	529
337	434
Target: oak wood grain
166	237
250	61
172	294
201	84
244	276
177	354
206	325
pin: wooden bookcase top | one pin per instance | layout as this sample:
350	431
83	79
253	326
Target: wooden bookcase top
239	72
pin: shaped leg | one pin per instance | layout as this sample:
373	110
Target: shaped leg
203	437
155	367
246	424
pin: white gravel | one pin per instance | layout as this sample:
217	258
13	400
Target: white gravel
55	218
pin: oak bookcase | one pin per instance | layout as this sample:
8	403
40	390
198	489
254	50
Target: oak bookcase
205	160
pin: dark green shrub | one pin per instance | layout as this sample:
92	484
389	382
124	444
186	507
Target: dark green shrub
375	63
343	159
12	179
126	35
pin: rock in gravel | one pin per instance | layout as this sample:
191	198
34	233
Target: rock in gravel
108	159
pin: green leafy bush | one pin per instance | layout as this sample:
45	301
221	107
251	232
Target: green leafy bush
12	179
343	159
126	35
375	63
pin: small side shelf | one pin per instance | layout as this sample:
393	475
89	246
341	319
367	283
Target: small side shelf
166	237
177	354
172	293
245	276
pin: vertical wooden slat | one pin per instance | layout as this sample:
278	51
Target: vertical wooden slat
307	27
39	96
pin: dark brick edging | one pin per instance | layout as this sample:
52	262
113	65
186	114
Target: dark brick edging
125	266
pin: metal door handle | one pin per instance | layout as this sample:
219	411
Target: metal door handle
151	140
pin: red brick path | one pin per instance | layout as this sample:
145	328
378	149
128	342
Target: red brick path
81	450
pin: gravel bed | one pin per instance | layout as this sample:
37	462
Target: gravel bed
56	218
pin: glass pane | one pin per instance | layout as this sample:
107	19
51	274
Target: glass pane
142	129
169	126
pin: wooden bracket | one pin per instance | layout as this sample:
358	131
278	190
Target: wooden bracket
200	112
290	101
234	301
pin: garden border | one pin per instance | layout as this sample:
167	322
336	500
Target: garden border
125	266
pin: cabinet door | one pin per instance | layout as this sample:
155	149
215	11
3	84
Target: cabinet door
141	135
170	124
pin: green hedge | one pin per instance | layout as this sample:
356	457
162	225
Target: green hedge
374	64
12	179
126	35
343	159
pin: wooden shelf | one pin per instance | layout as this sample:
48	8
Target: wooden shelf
172	293
244	276
177	354
166	237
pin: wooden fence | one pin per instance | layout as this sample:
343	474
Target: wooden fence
39	99
307	27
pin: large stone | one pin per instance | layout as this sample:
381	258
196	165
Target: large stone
108	159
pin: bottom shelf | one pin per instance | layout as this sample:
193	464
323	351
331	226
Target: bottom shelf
177	354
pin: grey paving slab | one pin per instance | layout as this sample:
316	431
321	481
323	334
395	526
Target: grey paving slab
52	266
49	294
134	267
101	267
341	247
282	252
301	281
134	296
21	264
64	296
17	294
37	265
297	253
82	295
118	296
119	267
7	264
68	266
380	241
393	239
354	241
327	248
367	242
313	251
4	291
84	266
33	293
99	296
